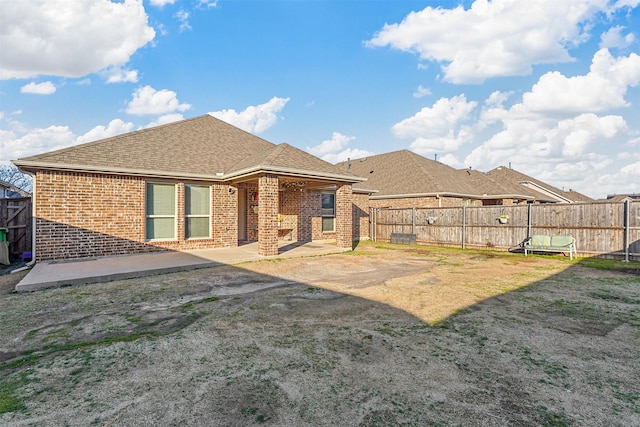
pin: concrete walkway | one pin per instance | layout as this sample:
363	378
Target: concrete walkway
58	273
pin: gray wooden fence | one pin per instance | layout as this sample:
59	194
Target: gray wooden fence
600	228
15	215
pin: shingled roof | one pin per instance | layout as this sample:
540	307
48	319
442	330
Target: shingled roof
201	148
407	174
540	190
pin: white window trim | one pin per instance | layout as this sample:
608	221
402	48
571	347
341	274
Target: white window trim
186	217
174	216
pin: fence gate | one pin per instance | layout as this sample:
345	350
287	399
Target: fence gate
15	215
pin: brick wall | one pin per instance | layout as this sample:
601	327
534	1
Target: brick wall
268	215
289	201
82	215
360	216
310	224
344	216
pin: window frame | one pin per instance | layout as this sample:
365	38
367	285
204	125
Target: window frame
154	216
187	216
331	215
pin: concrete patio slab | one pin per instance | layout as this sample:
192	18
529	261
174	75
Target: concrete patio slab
45	275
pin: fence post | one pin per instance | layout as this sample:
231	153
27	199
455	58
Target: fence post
627	224
464	221
372	223
413	221
529	220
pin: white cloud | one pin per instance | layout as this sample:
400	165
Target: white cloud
69	38
437	120
421	92
18	141
497	98
13	146
207	3
438	128
44	88
333	150
183	18
508	36
603	88
161	3
118	74
613	38
254	119
336	143
115	127
148	101
167	118
558	134
349	153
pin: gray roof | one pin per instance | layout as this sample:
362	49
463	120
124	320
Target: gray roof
404	173
201	147
541	190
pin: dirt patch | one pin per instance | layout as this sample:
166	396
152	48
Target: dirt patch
381	336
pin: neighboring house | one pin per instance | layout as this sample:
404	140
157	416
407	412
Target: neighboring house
193	184
621	197
404	179
541	191
8	191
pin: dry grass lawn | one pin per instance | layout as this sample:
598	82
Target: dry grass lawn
387	335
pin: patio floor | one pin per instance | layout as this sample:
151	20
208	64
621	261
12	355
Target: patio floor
58	273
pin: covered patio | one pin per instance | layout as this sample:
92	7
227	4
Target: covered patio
273	208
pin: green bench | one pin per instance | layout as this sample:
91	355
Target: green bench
543	243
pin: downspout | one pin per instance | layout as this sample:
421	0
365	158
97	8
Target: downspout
33	230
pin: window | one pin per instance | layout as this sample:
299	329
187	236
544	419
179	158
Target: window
197	210
328	212
161	211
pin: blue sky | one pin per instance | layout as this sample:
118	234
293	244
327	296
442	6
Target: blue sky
551	87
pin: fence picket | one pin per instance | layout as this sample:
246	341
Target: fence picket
599	227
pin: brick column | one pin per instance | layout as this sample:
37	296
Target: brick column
344	216
268	215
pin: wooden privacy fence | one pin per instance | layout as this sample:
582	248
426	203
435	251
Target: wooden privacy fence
15	215
601	228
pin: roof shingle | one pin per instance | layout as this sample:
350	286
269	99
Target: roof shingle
198	147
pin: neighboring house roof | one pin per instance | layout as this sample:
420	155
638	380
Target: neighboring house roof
407	174
543	191
11	191
621	197
199	148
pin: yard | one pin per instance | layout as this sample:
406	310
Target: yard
385	335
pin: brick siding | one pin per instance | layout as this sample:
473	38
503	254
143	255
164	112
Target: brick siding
344	216
80	215
360	218
268	215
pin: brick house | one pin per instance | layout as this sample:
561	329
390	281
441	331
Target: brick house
404	179
194	184
541	191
